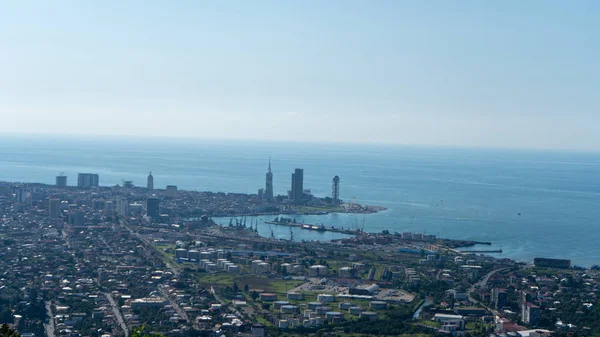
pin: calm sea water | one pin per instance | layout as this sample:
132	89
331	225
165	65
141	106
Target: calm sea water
529	203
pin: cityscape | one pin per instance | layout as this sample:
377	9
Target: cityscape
303	168
90	260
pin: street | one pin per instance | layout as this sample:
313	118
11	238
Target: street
49	327
117	314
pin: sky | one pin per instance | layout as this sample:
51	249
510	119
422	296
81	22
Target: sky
519	74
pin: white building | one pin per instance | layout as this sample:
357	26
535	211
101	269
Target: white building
450	322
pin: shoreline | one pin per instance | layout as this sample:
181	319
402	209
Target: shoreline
316	228
325	212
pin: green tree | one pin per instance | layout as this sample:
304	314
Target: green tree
6	316
143	332
5	331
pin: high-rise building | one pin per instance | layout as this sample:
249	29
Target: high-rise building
291	194
335	190
77	218
261	193
298	185
87	180
61	181
152	207
499	298
530	313
269	184
109	207
171	190
150	183
123	206
19	193
54	208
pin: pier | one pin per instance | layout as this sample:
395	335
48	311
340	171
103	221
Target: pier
316	228
480	251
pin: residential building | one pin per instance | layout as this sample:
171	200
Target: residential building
530	313
152	207
499	298
61	181
87	180
54	208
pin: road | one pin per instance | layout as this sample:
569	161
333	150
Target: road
426	302
150	247
485	280
483	283
223	302
117	313
212	291
174	304
50	326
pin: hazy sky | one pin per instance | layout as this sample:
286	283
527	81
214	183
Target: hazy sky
477	73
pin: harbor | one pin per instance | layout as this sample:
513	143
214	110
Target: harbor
318	228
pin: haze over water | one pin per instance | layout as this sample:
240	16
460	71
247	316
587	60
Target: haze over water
529	203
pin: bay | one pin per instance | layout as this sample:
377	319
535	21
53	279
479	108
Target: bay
530	203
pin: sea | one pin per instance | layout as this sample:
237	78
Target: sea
529	203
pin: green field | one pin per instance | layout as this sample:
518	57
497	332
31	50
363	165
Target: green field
254	282
475	325
427	322
167	257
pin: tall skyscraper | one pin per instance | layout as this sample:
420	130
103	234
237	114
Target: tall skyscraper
298	185
152	207
54	208
293	185
61	181
87	180
150	183
335	190
269	184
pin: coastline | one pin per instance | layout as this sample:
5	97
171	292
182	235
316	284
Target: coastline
361	209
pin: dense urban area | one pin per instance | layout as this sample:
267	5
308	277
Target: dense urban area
97	261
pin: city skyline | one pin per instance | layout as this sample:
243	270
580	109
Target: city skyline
435	168
89	180
508	74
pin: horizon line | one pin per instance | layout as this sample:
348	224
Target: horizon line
193	139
